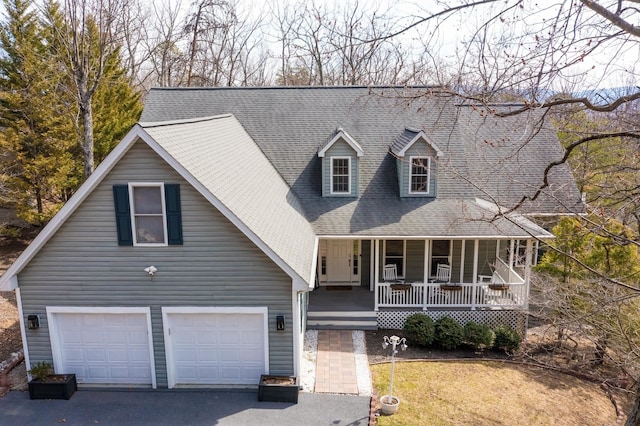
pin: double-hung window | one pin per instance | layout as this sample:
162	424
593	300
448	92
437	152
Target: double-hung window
148	213
419	175
340	175
440	253
394	251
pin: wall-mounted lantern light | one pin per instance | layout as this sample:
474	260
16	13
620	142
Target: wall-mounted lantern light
33	322
280	323
151	270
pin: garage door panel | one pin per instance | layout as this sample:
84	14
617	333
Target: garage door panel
184	336
204	338
98	372
216	348
104	348
252	357
140	356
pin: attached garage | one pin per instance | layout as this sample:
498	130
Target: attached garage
103	346
215	346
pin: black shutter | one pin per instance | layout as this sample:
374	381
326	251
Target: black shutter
123	214
174	214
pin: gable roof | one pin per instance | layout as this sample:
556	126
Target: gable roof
408	138
483	157
341	134
219	159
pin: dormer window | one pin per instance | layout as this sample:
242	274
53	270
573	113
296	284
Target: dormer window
340	157
340	175
417	164
420	175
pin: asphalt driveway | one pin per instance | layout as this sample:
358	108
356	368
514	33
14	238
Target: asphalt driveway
183	407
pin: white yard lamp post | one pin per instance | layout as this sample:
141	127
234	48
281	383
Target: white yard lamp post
388	402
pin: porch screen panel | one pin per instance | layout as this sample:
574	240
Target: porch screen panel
486	256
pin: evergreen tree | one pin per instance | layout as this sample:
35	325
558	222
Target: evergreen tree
42	144
39	167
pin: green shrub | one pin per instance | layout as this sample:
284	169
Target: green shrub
41	370
419	329
507	338
479	336
449	333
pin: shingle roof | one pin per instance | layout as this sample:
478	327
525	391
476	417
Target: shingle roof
341	134
223	158
487	158
409	137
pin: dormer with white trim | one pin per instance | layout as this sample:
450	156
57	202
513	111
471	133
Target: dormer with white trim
340	165
416	159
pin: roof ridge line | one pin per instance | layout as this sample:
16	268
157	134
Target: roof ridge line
152	124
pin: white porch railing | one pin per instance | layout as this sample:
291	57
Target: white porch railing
437	295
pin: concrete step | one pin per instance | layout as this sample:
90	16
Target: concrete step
341	327
332	320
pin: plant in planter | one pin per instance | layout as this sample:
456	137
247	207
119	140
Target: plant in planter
47	385
278	388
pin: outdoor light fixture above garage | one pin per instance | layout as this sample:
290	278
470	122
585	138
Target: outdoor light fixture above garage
151	270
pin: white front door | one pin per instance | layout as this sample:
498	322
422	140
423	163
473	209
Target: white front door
209	346
339	258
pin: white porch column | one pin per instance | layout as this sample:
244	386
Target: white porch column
425	275
474	278
372	267
476	250
376	272
463	249
511	248
527	272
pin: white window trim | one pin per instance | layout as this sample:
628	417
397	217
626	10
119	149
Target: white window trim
428	186
404	256
134	230
348	192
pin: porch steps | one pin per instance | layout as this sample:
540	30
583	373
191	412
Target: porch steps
337	320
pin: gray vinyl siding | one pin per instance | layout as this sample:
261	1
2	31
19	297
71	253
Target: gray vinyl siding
365	261
468	261
415	260
82	265
340	149
456	252
419	149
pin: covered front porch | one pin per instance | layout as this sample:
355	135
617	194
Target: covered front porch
483	274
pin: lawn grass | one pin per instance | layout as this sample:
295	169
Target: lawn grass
489	393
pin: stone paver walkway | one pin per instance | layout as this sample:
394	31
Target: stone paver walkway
335	363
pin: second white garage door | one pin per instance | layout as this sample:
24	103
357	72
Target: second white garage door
215	346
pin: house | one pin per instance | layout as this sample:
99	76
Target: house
229	220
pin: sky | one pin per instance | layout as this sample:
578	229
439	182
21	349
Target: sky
612	66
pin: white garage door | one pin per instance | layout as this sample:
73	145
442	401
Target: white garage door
102	347
214	348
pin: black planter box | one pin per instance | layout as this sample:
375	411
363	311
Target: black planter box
278	392
56	386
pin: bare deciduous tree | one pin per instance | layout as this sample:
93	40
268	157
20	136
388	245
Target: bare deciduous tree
85	38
